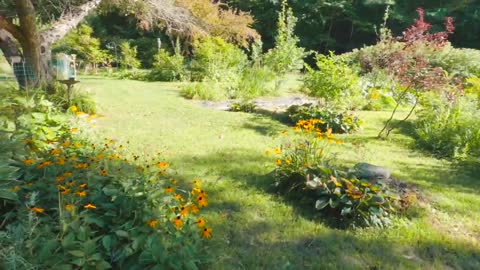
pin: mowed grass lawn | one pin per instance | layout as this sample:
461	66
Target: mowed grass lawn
256	229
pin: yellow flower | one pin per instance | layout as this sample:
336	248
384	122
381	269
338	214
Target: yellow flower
65	143
37	209
60	178
183	211
55	152
81	166
197	183
28	161
73	158
278	162
283	133
267	152
152	223
200	222
81	193
73	108
202	201
15	189
69	207
74	130
177	221
83	185
277	151
169	189
179	197
61	161
44	164
194	209
288	161
339	142
67	174
196	190
207	233
162	165
103	172
90	206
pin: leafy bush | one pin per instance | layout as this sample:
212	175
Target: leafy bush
305	169
338	122
128	56
256	81
131	74
217	60
334	82
78	98
168	67
247	107
449	128
206	90
378	100
69	204
358	202
286	56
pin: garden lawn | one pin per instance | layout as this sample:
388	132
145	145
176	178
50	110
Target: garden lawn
254	228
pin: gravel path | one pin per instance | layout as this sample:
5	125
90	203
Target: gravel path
271	104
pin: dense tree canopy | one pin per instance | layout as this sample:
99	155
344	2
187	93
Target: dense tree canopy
342	25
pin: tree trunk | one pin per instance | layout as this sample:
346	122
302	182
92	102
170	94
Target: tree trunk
34	71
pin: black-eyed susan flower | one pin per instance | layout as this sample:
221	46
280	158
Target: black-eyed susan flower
28	161
81	193
84	185
169	189
55	152
152	223
183	211
15	189
103	172
67	174
69	207
60	178
179	198
202	201
200	222
162	165
277	151
61	161
178	222
90	206
207	233
73	108
288	161
65	143
37	209
74	130
278	162
194	209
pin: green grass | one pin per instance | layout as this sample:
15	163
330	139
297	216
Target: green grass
256	229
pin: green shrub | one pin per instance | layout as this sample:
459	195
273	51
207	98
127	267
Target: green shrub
78	97
69	204
243	106
128	56
256	82
336	121
217	60
449	128
334	82
168	67
131	74
207	90
304	169
378	100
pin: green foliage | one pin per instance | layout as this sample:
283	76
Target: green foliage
378	100
69	204
243	106
81	43
304	168
357	202
256	81
128	56
206	90
334	82
217	60
168	67
336	121
286	56
457	62
78	97
449	128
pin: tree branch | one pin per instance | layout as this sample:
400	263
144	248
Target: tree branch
13	29
68	21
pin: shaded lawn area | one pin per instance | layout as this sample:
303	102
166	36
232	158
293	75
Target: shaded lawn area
256	229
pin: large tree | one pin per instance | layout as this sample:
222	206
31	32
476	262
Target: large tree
28	28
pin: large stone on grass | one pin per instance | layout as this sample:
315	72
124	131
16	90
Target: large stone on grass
371	172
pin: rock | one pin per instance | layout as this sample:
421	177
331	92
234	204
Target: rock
371	172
